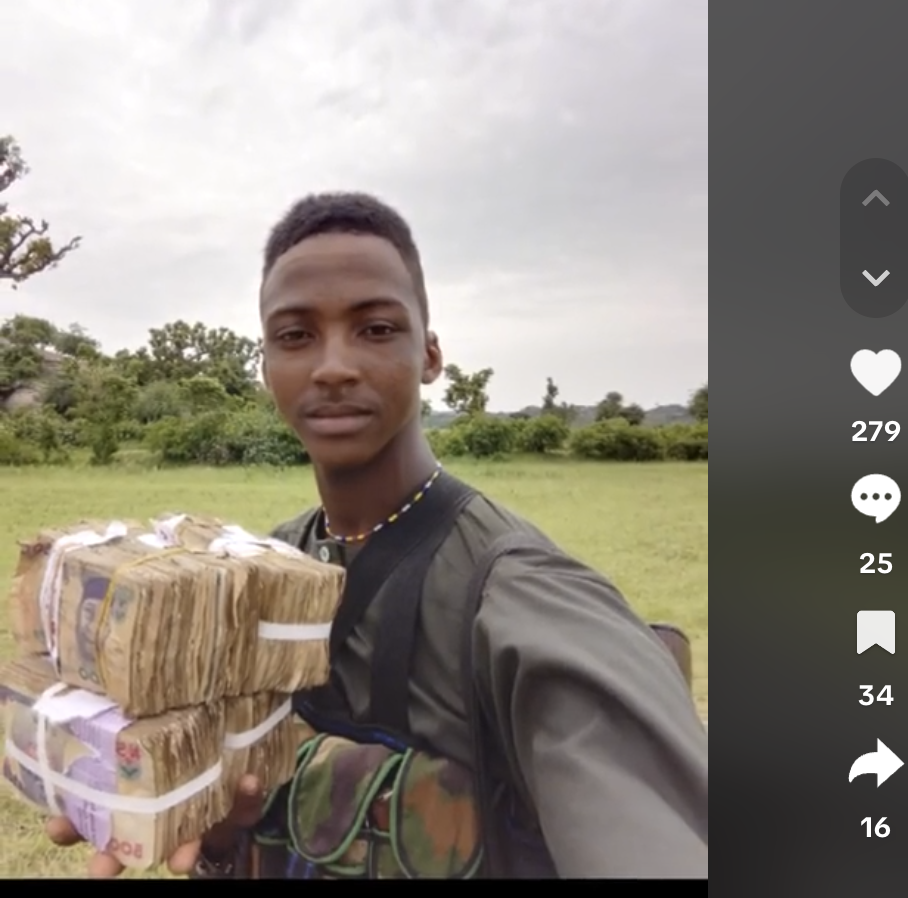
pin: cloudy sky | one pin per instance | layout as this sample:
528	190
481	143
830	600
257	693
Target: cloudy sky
550	156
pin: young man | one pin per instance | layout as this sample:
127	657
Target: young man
592	724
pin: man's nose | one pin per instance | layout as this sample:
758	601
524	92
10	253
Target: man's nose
337	363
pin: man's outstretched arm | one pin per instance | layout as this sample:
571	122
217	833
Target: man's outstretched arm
596	720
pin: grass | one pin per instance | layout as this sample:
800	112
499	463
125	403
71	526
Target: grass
646	526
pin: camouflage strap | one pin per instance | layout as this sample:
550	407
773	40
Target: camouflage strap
368	811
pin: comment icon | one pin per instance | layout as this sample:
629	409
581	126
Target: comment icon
876	496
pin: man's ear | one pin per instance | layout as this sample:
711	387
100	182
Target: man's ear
265	375
434	360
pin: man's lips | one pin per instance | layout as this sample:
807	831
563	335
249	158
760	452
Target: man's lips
335	411
337	420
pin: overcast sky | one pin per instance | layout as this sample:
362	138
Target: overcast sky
550	156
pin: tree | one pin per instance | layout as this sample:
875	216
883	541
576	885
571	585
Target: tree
28	330
75	342
551	394
699	403
467	394
567	412
23	340
202	394
633	413
25	248
26	341
104	399
180	351
613	407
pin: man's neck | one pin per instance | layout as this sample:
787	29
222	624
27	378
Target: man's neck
356	500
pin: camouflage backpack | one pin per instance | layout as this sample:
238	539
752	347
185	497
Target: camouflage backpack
370	801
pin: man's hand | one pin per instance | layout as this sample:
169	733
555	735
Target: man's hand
220	842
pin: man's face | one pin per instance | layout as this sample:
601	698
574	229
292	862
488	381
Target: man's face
345	346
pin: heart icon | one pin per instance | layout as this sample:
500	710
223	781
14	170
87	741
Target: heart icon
876	371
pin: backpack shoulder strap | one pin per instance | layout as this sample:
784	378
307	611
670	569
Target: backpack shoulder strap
425	524
399	622
496	859
393	563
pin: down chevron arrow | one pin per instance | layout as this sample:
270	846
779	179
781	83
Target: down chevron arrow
876	281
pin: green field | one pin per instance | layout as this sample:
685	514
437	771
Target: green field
646	526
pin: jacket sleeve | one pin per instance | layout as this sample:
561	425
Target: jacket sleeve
595	720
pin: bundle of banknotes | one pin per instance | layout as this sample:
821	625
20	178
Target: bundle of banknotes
189	611
155	668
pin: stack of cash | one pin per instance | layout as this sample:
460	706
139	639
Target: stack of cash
297	598
157	621
137	789
156	666
261	737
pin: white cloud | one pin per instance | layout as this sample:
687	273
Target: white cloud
551	158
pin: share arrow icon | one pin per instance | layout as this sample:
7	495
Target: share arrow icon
876	281
881	763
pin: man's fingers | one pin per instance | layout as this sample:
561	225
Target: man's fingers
248	804
221	841
104	866
182	861
61	832
245	813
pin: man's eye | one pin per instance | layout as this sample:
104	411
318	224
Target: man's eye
381	330
290	335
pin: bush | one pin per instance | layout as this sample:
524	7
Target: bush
446	443
129	432
547	433
186	441
252	436
488	437
617	440
686	442
42	430
157	401
257	437
15	452
104	444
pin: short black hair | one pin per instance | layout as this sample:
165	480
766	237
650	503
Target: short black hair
347	213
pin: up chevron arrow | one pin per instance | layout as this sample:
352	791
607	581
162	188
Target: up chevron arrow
876	281
879	196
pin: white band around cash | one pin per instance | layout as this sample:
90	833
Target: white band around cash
51	590
237	741
45	771
51	706
167	529
127	804
241	544
293	632
236	541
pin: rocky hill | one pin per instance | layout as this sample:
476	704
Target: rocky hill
23	395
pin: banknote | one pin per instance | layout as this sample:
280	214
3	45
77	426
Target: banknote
156	617
137	789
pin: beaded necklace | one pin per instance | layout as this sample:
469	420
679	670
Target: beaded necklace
389	520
